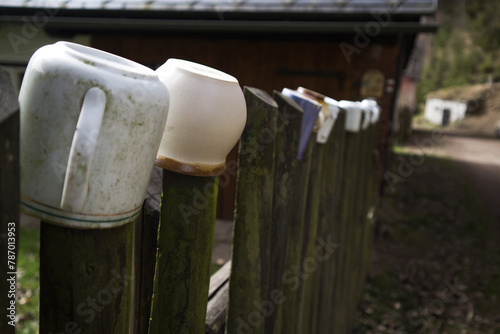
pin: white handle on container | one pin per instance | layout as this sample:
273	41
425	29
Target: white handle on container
76	182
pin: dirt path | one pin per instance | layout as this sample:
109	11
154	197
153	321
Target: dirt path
433	237
479	158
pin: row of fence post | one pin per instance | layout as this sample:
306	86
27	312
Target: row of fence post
301	241
302	231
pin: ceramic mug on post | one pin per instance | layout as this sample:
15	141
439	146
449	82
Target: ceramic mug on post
91	124
207	115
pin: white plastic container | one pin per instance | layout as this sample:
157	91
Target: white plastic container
206	118
91	124
353	115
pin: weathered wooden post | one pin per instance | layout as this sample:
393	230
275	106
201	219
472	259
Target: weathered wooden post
145	247
85	279
185	241
290	193
343	282
91	123
330	142
206	117
9	201
309	307
297	265
249	286
329	223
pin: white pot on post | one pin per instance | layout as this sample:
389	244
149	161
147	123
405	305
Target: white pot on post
206	118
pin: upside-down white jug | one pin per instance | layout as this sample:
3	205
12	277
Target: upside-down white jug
91	124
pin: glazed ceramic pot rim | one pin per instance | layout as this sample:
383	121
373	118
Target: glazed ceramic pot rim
199	70
112	62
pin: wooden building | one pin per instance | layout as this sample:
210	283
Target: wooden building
343	49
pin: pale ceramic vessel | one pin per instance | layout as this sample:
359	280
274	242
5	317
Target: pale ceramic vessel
91	124
353	118
207	115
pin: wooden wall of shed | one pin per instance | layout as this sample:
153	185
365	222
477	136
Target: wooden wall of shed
273	62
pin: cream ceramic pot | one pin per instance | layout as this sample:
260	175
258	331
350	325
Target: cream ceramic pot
91	124
207	115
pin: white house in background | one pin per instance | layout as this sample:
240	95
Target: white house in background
443	112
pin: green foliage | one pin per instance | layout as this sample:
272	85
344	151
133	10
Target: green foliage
466	49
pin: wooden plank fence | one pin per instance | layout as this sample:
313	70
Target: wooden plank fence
301	251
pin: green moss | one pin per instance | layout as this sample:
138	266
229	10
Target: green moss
28	286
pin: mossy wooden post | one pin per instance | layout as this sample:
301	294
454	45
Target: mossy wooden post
145	245
340	226
9	196
329	222
248	282
358	217
342	284
371	193
309	308
340	140
185	242
289	204
363	212
85	279
303	238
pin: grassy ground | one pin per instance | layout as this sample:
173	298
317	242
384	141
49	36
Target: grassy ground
28	288
436	266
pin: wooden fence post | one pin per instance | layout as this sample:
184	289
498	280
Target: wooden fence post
9	199
309	307
85	279
185	242
249	286
145	245
329	224
290	195
343	283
